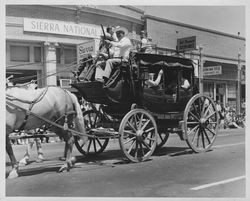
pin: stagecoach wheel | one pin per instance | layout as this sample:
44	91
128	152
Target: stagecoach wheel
162	139
138	135
93	146
201	122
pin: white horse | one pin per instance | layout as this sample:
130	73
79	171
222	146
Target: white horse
30	142
46	104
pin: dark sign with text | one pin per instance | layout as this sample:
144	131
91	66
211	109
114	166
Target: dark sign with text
186	44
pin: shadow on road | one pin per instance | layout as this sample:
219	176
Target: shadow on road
109	158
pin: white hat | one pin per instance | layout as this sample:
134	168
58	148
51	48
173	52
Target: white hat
123	29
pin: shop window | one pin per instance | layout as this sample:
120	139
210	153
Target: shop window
37	54
69	55
19	53
231	91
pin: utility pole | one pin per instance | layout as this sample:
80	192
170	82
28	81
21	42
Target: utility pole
200	70
238	97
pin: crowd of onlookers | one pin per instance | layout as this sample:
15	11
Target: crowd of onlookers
228	116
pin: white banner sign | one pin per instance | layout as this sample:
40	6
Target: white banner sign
87	48
62	28
212	70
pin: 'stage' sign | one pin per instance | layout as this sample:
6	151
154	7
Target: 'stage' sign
87	48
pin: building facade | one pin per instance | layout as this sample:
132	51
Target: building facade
42	41
216	50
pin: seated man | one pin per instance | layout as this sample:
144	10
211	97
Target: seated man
121	52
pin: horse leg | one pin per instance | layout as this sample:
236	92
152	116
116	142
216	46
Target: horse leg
25	159
40	157
69	141
14	172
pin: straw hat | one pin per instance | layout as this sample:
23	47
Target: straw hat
121	29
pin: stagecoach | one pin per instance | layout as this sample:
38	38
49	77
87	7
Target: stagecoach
143	117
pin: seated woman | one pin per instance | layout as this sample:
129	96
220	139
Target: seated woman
154	83
184	83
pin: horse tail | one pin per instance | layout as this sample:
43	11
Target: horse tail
79	121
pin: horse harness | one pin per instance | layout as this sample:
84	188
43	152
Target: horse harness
32	103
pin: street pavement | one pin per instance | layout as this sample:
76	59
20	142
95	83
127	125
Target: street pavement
173	171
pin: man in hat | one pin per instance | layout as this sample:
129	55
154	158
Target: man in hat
121	53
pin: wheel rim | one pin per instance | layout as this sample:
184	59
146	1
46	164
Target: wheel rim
138	135
201	123
93	146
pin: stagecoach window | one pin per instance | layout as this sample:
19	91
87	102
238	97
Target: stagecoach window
69	55
19	53
37	54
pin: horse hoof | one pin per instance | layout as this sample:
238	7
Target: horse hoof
13	174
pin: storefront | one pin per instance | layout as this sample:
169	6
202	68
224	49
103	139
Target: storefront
41	41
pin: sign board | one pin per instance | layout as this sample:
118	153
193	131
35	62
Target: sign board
186	44
212	70
62	28
87	48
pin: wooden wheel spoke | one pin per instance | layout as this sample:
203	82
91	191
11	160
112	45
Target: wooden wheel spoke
140	123
194	128
195	109
96	116
194	116
202	137
144	126
210	131
129	140
98	141
148	130
90	141
146	145
129	132
207	110
131	146
135	121
150	138
192	122
94	144
195	135
198	137
131	126
136	149
203	107
210	115
142	150
207	136
82	145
